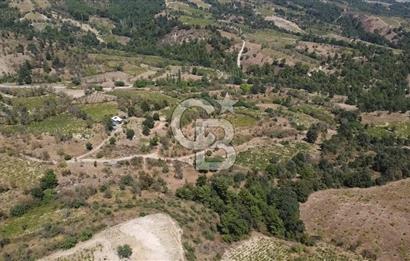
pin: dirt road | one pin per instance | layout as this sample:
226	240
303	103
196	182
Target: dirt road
240	54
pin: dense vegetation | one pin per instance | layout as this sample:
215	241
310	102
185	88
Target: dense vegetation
377	84
251	201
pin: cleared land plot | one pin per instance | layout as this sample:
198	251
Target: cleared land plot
272	38
284	24
373	222
261	248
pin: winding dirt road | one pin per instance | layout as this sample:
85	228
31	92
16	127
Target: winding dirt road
238	62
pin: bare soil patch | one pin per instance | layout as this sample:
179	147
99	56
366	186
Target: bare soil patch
153	237
284	24
320	49
384	117
376	25
253	55
183	35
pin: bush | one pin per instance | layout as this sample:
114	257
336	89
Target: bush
142	83
37	193
69	242
146	131
127	180
76	80
124	251
89	146
49	181
98	88
119	83
130	134
85	235
19	210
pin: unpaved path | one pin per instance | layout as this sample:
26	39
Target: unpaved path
238	62
151	238
82	26
189	159
99	146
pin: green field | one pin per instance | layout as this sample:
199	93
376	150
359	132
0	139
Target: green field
19	173
31	102
30	222
202	21
272	38
259	158
64	124
241	120
149	96
315	112
99	111
399	130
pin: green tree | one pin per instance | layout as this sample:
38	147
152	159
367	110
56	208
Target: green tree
312	134
24	74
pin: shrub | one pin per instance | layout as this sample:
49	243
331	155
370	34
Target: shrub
89	146
142	83
130	134
146	131
37	193
119	83
85	235
19	209
69	242
49	181
124	251
76	80
127	180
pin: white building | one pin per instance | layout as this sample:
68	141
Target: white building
116	120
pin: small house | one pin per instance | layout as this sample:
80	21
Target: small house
116	120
